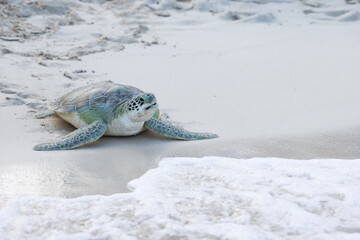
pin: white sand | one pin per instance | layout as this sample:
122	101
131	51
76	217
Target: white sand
280	81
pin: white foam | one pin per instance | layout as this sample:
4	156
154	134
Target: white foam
205	198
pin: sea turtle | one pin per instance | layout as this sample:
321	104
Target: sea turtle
107	108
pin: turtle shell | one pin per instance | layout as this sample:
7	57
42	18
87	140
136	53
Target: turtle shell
101	95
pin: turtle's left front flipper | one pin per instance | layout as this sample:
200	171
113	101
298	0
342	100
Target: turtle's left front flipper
167	129
77	138
44	114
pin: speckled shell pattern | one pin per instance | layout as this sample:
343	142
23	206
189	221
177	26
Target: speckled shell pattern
102	95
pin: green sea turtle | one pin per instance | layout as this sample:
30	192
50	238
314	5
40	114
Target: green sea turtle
111	109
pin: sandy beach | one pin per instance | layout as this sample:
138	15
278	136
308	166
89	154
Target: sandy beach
271	81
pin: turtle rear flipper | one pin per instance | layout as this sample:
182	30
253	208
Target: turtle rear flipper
44	114
79	137
167	129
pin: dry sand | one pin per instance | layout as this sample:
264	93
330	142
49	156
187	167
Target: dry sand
268	90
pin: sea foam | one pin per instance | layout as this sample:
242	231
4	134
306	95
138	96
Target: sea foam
206	198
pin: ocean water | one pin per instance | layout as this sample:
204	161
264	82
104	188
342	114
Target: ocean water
205	198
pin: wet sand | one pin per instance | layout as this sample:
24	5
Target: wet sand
267	91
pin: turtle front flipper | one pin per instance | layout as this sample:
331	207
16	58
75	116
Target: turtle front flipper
77	138
167	129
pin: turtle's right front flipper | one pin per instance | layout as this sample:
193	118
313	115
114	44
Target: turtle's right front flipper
167	129
77	138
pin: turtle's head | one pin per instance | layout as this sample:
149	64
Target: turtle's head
142	107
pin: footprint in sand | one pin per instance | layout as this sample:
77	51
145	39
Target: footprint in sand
351	16
25	95
19	97
37	105
10	89
341	15
5	85
7	91
12	101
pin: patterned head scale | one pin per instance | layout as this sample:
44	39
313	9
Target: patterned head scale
136	103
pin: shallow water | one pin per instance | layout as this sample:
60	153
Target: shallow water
106	166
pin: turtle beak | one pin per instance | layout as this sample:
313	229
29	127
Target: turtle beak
151	106
151	101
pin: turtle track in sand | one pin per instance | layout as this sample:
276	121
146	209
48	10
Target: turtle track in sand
16	95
